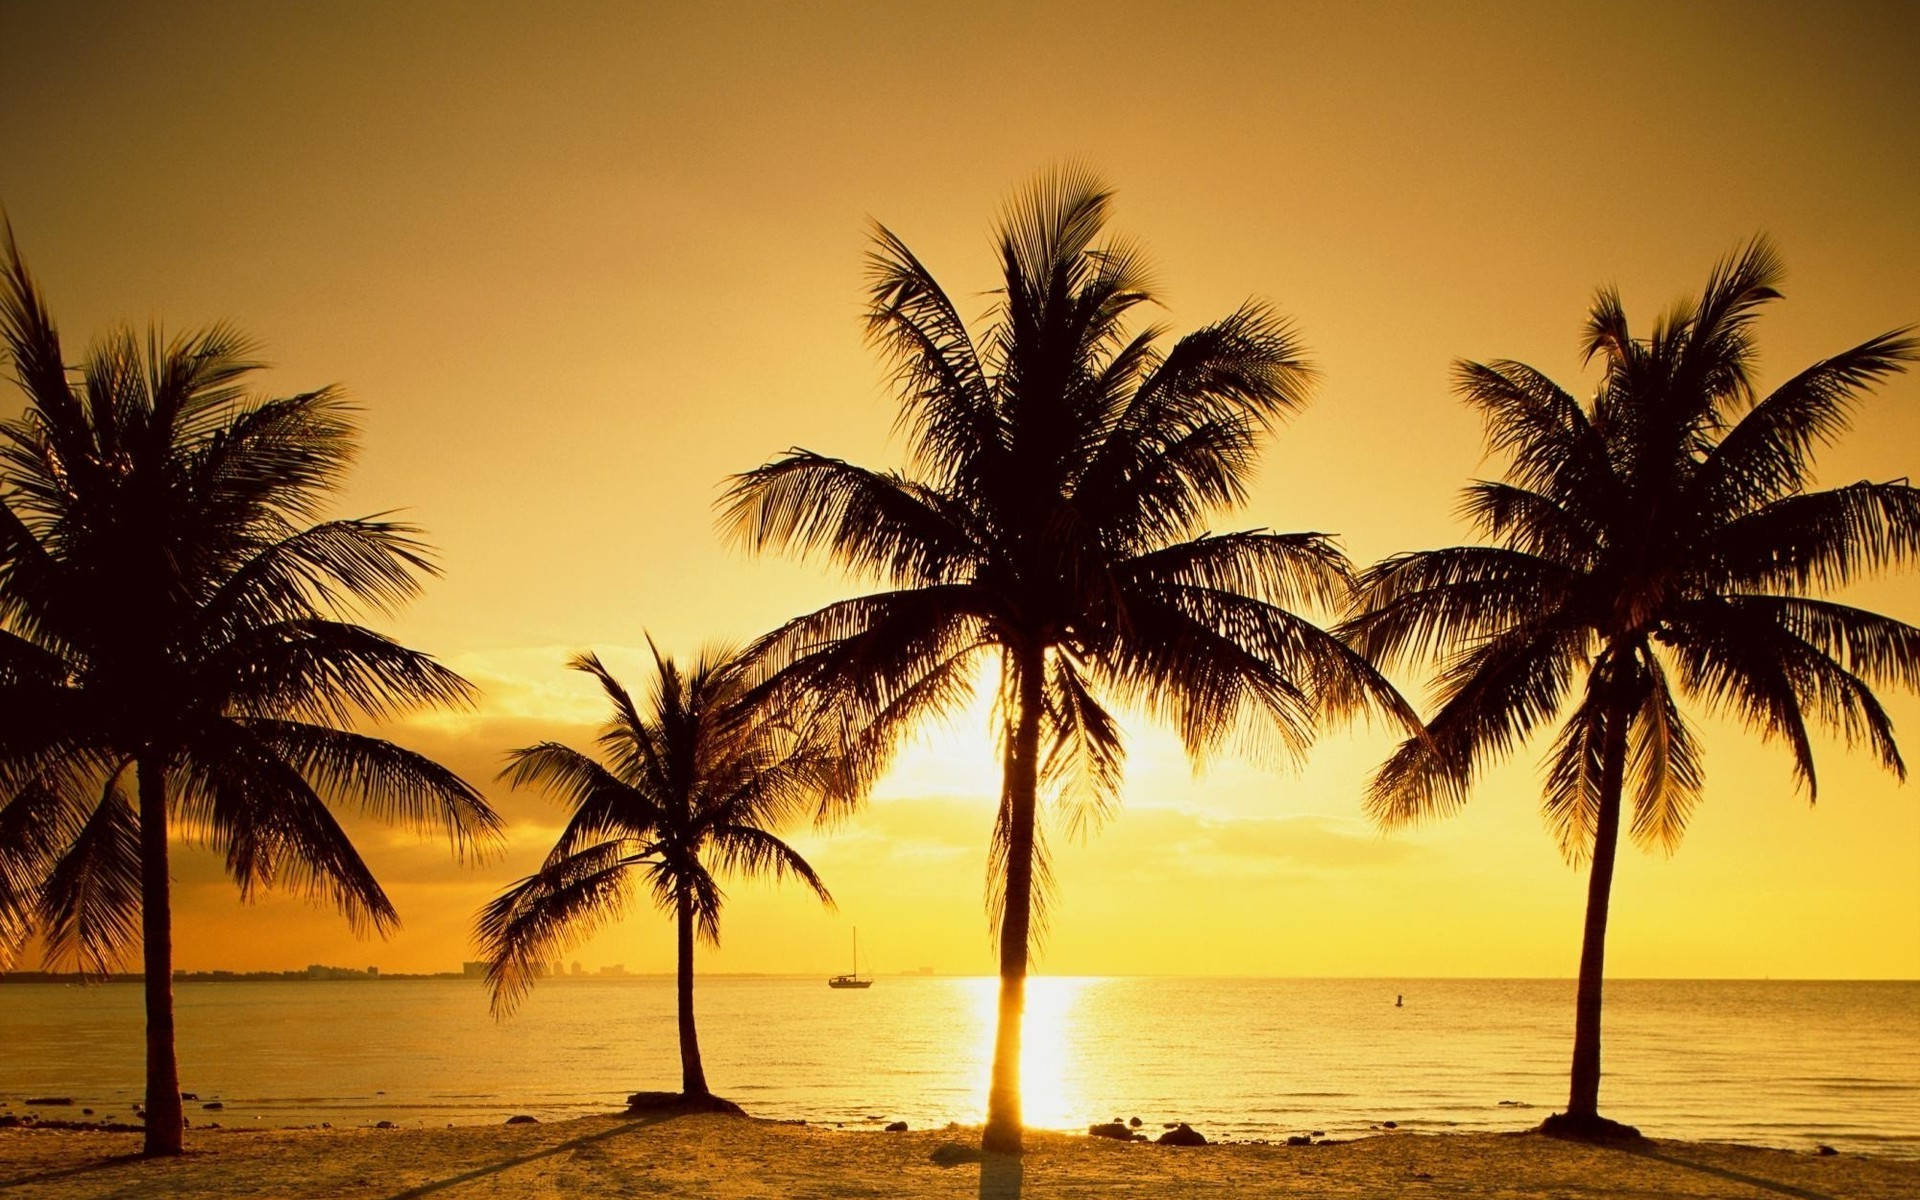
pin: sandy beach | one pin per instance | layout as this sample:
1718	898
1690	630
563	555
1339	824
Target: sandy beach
736	1159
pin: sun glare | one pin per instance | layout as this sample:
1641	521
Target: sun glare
1052	1095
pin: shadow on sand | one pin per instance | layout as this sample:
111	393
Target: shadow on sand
1647	1150
1001	1176
628	1126
116	1160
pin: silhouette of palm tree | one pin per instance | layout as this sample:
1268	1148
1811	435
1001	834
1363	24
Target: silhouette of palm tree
1664	531
1062	471
169	612
695	785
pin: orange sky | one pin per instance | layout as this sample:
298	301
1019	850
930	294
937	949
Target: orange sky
580	263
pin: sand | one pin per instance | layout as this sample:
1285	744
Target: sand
733	1158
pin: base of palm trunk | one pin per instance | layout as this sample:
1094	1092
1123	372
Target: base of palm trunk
1001	1139
681	1102
1587	1127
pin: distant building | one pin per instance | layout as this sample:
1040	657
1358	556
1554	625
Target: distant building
616	971
321	971
578	970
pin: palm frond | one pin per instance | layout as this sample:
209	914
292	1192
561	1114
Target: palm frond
874	523
1575	777
1744	661
1441	602
40	821
1289	570
1664	763
1823	539
540	916
321	670
948	406
1768	454
1493	697
387	782
752	851
89	903
1086	759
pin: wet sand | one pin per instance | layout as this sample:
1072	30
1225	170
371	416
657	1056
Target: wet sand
732	1158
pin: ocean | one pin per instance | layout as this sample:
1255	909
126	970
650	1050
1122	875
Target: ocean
1790	1064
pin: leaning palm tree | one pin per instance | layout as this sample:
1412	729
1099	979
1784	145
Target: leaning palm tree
173	620
694	785
1664	534
1054	520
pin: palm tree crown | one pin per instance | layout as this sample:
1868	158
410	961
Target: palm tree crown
172	609
1662	538
1054	517
692	786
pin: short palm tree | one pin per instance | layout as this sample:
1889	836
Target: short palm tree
1664	534
174	620
694	786
1054	520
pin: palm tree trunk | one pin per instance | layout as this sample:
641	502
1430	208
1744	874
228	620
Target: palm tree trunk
1022	783
165	1120
693	1076
1583	1101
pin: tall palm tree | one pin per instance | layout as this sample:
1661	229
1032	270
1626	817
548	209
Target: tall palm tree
693	786
174	618
1054	520
1665	532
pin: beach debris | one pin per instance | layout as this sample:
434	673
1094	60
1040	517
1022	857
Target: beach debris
385	1125
1318	1133
46	1101
522	1119
1182	1135
1825	1151
1513	1104
86	1112
1299	1139
1111	1129
189	1095
897	1127
213	1106
1133	1122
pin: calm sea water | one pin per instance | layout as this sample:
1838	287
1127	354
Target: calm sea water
1782	1064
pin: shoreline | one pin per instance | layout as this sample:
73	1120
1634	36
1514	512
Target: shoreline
74	1118
738	1157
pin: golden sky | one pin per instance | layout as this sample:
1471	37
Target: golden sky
580	262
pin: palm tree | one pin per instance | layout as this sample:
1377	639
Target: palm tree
1054	519
172	618
1666	532
694	786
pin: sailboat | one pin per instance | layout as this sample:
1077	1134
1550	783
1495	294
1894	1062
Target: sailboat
852	979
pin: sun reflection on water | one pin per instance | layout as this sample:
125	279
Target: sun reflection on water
1053	1072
